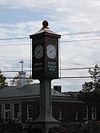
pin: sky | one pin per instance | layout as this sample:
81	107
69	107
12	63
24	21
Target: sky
78	22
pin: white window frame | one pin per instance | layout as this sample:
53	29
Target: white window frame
60	114
76	115
9	113
29	118
51	109
0	110
85	108
14	112
93	113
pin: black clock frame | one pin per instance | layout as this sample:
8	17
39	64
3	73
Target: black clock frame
45	68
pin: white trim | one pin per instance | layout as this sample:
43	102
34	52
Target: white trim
86	116
51	109
14	112
7	111
76	115
93	113
0	110
28	118
60	115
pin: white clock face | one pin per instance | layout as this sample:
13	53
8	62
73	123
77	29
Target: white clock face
38	52
51	51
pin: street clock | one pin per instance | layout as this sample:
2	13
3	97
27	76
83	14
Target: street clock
45	53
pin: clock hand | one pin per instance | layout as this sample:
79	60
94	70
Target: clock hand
38	51
53	50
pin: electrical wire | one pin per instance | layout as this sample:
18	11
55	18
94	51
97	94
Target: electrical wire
81	68
82	33
81	40
74	33
16	38
17	78
77	68
77	33
75	77
71	34
66	77
15	44
62	69
9	71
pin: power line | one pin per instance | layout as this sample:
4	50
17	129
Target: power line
77	68
4	71
63	69
77	77
15	38
74	33
81	40
66	77
72	77
9	71
18	78
15	44
82	33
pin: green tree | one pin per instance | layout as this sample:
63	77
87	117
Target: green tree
3	82
90	92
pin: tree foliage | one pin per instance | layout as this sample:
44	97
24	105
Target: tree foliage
3	82
90	92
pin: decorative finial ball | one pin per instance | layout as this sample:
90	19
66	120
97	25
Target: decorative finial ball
45	24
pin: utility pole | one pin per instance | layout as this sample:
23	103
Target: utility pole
22	62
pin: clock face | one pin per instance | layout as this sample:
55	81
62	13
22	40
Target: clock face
51	51
38	52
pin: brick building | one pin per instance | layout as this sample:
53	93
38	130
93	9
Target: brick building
21	104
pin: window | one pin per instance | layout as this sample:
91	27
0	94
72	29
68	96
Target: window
7	114
16	111
29	111
7	106
0	110
76	115
85	113
60	115
51	108
93	113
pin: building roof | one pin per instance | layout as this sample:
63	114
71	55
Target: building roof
42	30
27	90
71	93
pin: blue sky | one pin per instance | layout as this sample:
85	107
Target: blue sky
16	15
22	18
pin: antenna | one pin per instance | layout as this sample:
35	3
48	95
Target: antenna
22	62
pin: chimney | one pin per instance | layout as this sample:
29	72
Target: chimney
57	88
